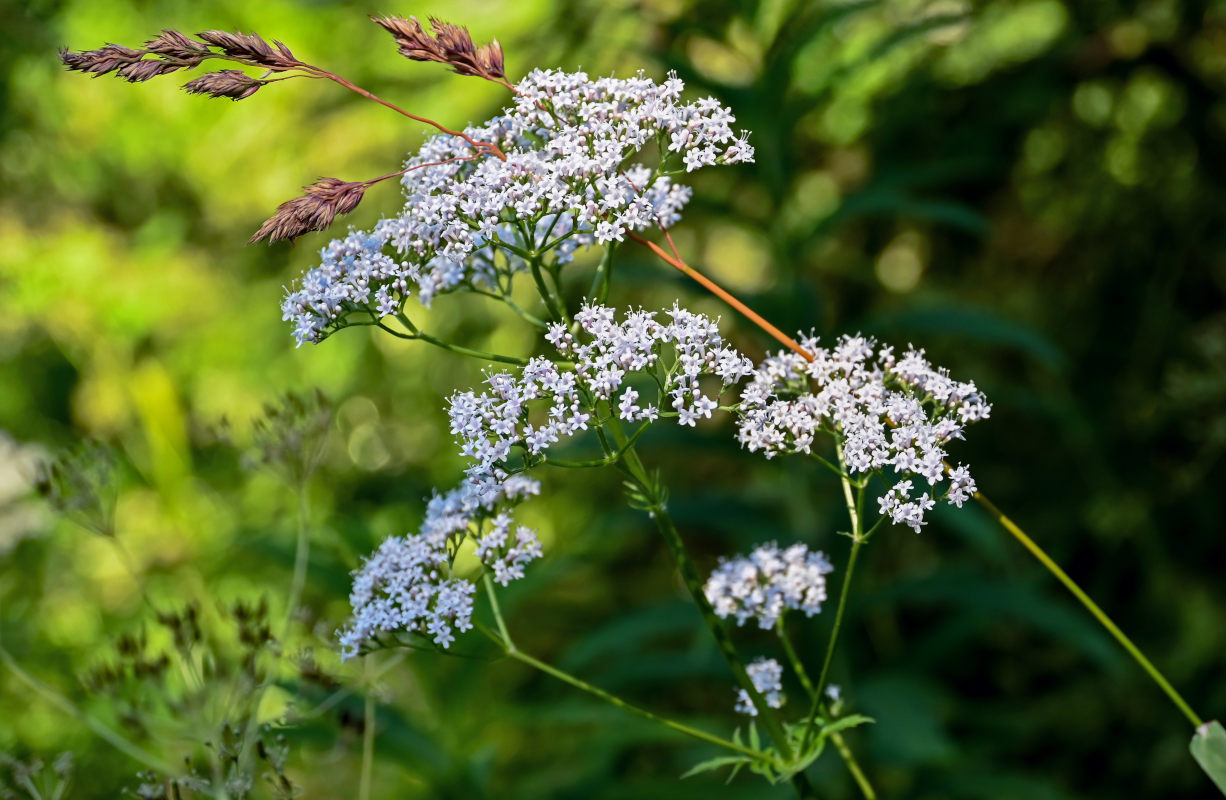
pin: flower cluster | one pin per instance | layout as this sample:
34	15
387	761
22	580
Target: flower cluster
567	182
408	583
489	425
768	582
767	677
887	412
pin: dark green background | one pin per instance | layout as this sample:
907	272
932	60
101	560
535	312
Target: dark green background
1032	191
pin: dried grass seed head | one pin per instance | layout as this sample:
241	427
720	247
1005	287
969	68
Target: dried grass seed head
232	83
450	44
252	48
313	211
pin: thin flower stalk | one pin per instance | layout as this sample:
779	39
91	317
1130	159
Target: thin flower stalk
857	539
368	741
840	744
1100	615
633	467
503	639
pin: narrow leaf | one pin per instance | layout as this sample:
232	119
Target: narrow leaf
843	723
715	763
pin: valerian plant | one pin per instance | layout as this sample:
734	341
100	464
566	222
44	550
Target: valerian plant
581	163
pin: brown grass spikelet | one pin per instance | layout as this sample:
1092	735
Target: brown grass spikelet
107	58
141	71
232	83
313	211
450	44
173	44
251	47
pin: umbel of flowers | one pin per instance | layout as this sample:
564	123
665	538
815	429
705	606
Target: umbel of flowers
891	416
573	176
409	584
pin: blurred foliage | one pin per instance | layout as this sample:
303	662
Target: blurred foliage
1031	190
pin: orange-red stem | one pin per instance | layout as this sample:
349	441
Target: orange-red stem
724	295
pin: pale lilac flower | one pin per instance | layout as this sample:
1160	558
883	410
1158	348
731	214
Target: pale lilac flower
408	584
767	677
767	582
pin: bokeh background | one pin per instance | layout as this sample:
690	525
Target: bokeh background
1031	190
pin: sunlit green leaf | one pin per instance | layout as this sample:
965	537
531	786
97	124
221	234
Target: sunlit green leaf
1209	749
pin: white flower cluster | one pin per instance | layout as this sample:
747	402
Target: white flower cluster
408	585
488	426
767	677
890	413
767	582
565	183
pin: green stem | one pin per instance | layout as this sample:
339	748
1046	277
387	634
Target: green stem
1092	607
834	636
112	738
454	348
689	575
505	298
611	458
468	351
602	278
503	640
612	699
531	319
368	745
849	758
543	289
555	272
508	645
302	551
853	766
556	308
857	539
797	665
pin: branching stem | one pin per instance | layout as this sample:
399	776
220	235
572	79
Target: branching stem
980	497
503	640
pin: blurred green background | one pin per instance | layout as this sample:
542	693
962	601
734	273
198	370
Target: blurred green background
1031	190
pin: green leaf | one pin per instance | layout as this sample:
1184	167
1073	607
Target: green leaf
716	763
844	723
1209	749
802	763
